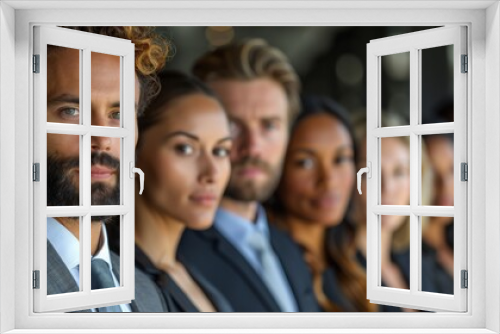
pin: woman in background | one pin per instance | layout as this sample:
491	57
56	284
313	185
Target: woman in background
395	190
438	236
312	200
186	166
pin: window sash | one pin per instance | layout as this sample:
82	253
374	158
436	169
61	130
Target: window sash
86	43
413	43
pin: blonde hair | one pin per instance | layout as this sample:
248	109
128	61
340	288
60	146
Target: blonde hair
401	238
248	60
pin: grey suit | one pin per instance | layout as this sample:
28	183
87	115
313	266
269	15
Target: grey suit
148	297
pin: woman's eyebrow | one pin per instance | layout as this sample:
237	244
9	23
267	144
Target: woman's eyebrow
302	150
224	139
181	133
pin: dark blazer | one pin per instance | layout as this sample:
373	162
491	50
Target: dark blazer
222	264
59	280
442	281
175	297
332	290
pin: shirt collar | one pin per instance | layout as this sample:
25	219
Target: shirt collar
68	246
236	227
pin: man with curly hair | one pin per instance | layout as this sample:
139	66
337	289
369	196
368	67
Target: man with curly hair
63	89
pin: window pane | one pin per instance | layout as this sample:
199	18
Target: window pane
395	171
63	251
105	170
63	85
395	86
437	84
105	270
63	170
105	90
395	251
437	170
437	254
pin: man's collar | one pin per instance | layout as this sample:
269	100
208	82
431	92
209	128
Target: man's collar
229	223
68	246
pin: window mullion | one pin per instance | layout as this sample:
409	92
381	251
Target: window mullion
415	98
85	165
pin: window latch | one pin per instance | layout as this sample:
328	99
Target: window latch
141	175
368	171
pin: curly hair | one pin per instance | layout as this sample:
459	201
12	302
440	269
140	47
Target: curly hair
251	59
151	52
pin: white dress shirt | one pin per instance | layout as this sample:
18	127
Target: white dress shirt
67	247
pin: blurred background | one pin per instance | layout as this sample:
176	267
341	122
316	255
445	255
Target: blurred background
331	61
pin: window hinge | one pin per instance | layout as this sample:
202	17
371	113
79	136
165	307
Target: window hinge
36	63
465	279
36	172
465	64
36	279
464	172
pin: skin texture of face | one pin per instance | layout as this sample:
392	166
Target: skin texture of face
258	111
318	175
185	156
63	107
440	150
395	170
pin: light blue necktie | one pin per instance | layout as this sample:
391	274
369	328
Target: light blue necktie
101	278
271	271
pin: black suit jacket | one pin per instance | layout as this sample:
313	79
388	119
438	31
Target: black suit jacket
223	265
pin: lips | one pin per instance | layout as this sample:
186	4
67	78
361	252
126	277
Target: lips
326	202
250	172
204	198
98	172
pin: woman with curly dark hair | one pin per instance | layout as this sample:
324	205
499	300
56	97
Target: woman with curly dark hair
312	200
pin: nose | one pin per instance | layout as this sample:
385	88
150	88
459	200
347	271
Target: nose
209	169
100	143
251	143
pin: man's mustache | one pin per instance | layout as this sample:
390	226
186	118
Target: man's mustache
253	162
96	158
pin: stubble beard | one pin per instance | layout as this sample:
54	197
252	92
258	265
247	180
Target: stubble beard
250	190
61	190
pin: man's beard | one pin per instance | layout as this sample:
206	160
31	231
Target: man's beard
249	191
62	192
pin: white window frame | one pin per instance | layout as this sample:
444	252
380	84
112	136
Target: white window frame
483	21
86	43
413	44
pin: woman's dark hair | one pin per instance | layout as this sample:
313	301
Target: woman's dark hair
339	244
174	84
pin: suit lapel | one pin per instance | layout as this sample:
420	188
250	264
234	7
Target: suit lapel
59	278
115	262
289	267
237	261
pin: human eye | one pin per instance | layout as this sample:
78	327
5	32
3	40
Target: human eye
69	113
304	163
184	149
270	124
221	152
115	115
